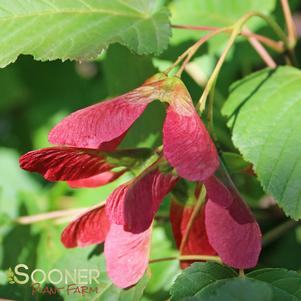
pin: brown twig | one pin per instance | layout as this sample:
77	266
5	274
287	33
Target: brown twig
178	60
196	46
262	52
26	220
291	29
275	45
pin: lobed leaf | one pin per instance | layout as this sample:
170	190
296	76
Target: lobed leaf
79	30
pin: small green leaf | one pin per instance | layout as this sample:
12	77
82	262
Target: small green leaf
264	112
63	29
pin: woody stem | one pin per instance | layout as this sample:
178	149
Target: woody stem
262	52
26	220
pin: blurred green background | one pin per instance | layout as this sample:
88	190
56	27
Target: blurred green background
34	96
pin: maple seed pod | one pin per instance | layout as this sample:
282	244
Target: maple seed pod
187	143
232	229
197	240
135	203
104	125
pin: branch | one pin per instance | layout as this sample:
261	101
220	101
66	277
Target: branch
290	25
261	51
236	30
193	49
275	45
26	220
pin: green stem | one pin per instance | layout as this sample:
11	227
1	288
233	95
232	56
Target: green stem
195	212
188	258
178	60
163	259
275	45
292	34
31	219
193	49
288	45
291	29
236	30
217	68
273	24
201	257
210	117
188	53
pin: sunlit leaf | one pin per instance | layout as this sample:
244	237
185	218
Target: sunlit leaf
263	112
64	29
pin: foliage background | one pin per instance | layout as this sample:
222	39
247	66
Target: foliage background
35	95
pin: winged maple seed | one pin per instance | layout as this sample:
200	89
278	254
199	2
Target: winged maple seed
124	224
224	226
85	155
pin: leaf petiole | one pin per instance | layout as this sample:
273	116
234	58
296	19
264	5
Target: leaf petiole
236	30
188	258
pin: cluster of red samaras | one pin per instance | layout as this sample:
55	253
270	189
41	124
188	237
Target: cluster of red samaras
224	225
